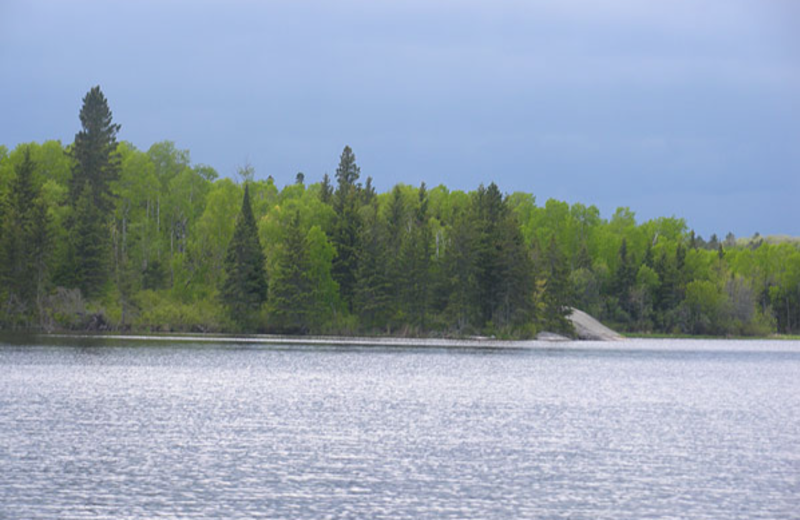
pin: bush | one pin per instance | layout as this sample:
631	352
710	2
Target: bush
158	313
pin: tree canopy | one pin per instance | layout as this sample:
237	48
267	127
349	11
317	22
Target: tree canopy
100	232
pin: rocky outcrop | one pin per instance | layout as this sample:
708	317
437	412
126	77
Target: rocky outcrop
588	328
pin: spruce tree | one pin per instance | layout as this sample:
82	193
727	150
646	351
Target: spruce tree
90	233
244	287
372	291
460	270
489	211
96	161
291	289
326	190
347	225
396	227
415	255
24	245
624	278
515	276
95	168
504	270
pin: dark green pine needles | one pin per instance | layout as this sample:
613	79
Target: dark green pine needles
244	288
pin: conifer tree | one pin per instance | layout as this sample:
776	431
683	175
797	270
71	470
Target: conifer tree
89	245
244	287
489	210
460	270
24	245
290	292
416	265
96	166
504	271
624	277
516	276
326	193
557	291
96	162
347	225
372	291
396	227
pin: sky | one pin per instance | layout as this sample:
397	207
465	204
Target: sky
679	108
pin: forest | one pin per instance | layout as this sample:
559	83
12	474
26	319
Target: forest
99	235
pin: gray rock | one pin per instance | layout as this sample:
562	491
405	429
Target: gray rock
589	328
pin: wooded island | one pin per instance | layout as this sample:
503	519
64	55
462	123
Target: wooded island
99	235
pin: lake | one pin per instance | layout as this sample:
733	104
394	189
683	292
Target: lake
122	428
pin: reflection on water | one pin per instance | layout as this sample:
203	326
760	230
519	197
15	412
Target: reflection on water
110	429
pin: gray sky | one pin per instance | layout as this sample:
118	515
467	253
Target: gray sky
681	107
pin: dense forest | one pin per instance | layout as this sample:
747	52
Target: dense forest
98	235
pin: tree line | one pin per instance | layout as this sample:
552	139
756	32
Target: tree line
100	235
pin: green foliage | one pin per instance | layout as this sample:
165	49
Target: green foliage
154	242
24	247
95	170
291	289
90	246
96	162
416	265
347	224
373	300
244	287
556	291
159	313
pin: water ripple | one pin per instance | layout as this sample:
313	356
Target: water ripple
204	431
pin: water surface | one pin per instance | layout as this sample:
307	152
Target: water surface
94	428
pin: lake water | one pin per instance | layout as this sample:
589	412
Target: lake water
640	429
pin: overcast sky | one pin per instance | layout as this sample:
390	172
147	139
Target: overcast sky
687	108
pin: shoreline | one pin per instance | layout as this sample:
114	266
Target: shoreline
663	344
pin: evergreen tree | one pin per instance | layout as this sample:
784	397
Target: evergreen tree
96	162
415	256
368	193
372	292
460	270
624	277
244	288
291	289
347	173
326	193
489	210
557	291
516	277
96	166
396	227
24	244
347	225
89	245
504	272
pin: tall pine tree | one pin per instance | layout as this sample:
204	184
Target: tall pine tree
96	161
96	166
347	225
504	271
244	287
